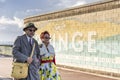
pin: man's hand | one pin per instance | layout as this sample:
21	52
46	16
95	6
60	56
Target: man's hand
29	60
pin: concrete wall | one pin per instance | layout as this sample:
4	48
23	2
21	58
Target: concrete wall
5	50
85	37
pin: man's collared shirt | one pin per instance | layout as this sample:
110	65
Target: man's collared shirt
28	38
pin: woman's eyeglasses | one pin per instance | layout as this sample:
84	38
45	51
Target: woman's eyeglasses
47	37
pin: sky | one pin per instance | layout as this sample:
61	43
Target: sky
12	13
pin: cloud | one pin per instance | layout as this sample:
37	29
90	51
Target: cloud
33	10
7	21
10	32
28	12
10	28
70	3
79	3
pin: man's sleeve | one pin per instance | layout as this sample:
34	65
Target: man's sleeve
38	50
16	51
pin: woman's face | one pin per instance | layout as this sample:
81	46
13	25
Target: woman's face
46	38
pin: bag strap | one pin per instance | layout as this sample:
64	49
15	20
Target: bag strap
32	50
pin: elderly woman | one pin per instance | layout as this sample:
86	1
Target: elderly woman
48	70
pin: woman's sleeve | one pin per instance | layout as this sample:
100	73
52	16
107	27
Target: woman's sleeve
53	51
54	60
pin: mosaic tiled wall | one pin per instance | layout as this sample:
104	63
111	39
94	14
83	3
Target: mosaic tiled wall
90	40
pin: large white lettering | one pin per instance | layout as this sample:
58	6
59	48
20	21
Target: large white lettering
91	42
77	49
62	43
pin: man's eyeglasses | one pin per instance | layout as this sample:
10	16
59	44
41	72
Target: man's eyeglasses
31	30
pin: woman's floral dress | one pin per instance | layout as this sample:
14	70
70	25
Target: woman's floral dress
48	70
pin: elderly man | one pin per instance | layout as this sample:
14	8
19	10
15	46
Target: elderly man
22	50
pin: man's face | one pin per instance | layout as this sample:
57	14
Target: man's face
30	32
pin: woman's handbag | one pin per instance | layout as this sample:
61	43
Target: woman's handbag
20	70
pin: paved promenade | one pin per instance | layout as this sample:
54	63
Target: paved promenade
66	74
